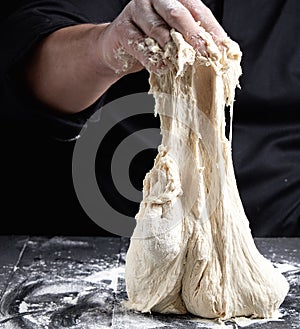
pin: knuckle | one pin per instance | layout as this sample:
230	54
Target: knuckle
159	32
177	12
138	6
155	28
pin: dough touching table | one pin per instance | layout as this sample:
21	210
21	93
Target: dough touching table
78	282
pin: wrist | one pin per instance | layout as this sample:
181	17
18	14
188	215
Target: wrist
111	57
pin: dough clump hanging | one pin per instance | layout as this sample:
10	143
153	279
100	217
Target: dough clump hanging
192	249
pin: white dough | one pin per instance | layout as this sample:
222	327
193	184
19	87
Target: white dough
192	249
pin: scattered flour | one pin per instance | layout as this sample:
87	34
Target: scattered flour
111	276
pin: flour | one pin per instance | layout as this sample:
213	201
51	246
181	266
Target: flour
286	267
109	276
127	61
63	242
245	322
192	249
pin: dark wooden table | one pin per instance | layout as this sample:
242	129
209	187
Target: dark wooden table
78	282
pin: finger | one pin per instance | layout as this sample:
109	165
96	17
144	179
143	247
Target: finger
150	22
177	16
203	14
135	45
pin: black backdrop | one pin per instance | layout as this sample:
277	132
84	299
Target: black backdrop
37	194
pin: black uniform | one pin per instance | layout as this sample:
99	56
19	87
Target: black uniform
37	144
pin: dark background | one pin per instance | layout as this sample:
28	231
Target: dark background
37	194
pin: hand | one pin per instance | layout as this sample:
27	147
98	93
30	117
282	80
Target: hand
121	40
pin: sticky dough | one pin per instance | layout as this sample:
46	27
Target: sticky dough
192	249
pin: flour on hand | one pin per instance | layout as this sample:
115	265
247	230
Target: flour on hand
192	249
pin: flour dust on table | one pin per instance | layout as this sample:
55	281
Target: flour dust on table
192	249
63	283
79	282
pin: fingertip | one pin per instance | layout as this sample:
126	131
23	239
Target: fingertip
219	36
162	36
166	40
197	42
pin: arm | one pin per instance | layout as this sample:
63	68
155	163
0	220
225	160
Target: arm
66	71
74	66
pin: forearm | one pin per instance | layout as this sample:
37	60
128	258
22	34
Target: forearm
66	72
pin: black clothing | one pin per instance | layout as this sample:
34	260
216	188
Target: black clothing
266	135
37	144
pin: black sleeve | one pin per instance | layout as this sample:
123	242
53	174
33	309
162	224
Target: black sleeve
38	196
27	23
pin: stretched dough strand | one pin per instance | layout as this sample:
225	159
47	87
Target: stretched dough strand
192	249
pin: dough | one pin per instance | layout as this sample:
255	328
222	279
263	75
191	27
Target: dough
192	249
